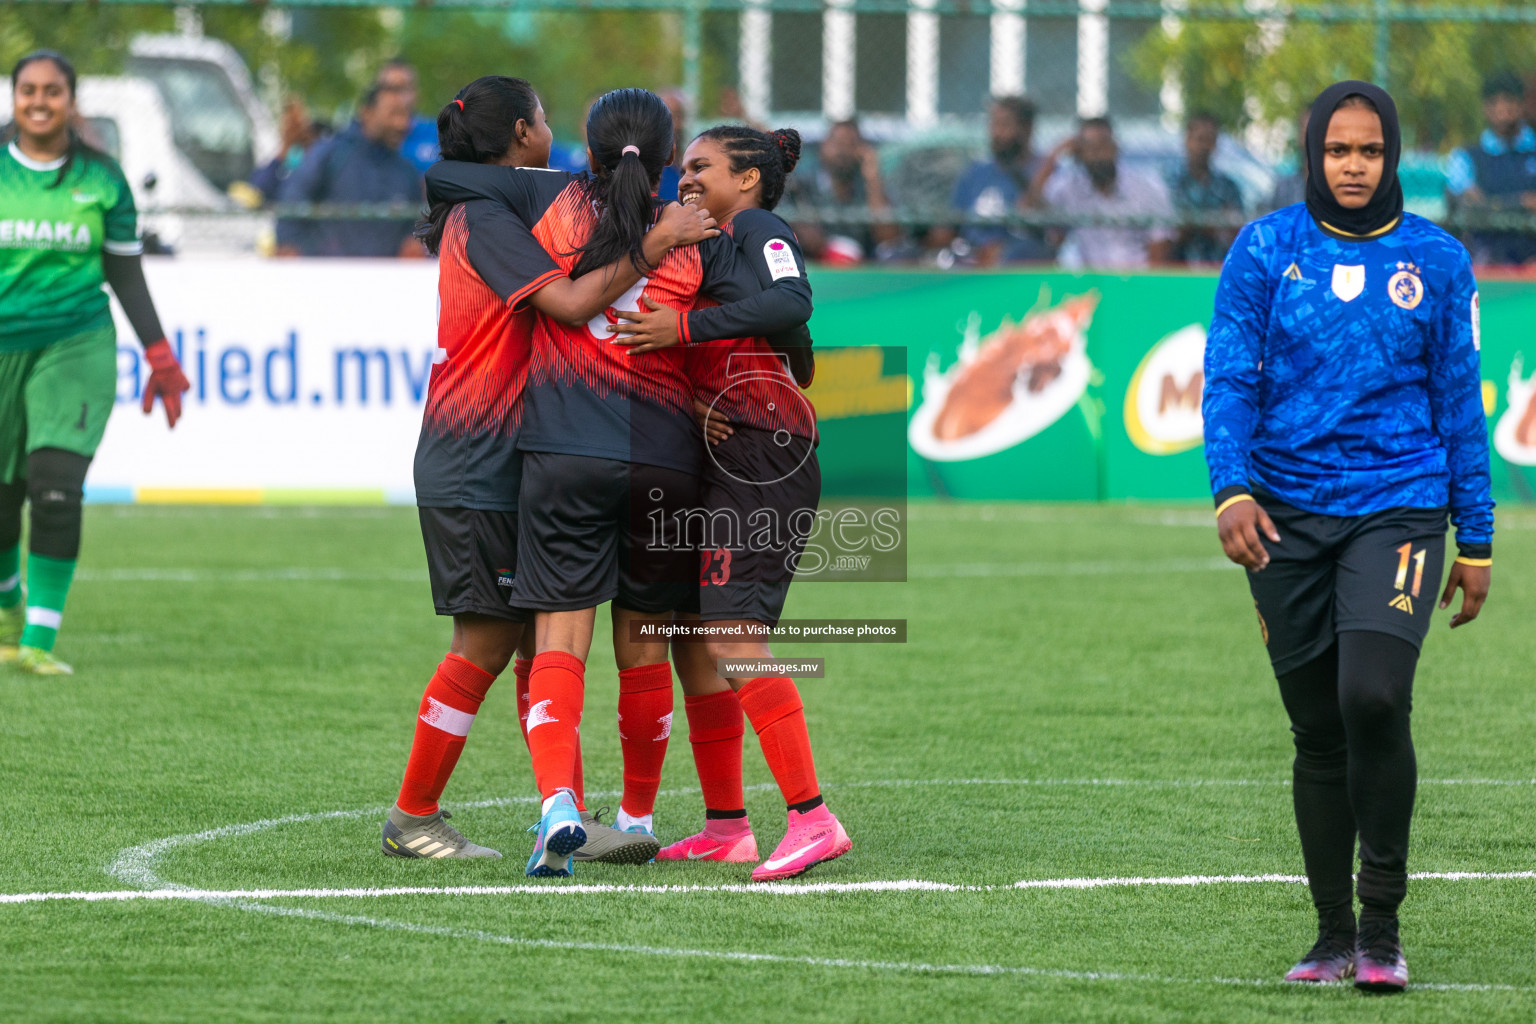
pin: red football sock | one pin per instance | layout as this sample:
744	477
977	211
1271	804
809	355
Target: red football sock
522	671
645	722
773	706
715	729
522	668
581	792
447	711
555	693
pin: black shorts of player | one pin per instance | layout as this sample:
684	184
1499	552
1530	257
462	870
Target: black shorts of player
757	499
1376	573
595	530
471	561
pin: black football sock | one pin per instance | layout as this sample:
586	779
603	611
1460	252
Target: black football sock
1319	791
1376	697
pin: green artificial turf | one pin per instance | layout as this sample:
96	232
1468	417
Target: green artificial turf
1083	695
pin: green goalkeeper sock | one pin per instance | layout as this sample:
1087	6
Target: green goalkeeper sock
10	577
47	586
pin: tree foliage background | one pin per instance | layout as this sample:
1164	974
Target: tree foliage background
328	56
1267	69
1260	67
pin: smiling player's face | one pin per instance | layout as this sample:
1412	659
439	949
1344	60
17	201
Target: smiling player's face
1354	154
707	181
43	103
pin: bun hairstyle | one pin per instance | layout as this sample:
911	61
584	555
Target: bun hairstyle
477	126
774	154
77	146
629	133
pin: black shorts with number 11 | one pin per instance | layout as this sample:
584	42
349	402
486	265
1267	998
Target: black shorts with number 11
1376	573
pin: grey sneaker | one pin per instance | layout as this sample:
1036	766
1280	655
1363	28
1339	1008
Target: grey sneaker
408	835
610	846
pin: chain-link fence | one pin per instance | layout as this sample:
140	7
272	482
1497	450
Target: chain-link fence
907	155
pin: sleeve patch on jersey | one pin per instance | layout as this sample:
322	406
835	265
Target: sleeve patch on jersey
1477	325
780	257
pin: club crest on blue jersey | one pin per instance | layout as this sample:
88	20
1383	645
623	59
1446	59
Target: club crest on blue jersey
1405	288
1348	282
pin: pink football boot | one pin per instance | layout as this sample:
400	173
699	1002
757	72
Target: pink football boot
729	840
813	837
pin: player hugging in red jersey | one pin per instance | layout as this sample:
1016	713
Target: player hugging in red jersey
762	469
613	455
492	277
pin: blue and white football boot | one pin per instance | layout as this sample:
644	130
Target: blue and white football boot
558	834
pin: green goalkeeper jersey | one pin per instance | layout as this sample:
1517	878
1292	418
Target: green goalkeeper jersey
51	243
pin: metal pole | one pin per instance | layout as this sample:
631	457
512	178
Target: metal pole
693	44
1383	30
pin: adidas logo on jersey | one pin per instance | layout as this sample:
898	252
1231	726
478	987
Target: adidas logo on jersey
1293	272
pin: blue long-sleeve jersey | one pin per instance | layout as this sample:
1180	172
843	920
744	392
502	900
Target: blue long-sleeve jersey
1342	375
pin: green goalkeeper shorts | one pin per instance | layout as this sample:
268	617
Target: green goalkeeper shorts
57	396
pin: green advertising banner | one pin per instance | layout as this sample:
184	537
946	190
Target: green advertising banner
1063	386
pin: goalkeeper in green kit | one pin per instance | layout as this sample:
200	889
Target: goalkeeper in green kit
67	226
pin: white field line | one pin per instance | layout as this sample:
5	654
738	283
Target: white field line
732	956
1121	567
957	570
271	575
776	889
136	866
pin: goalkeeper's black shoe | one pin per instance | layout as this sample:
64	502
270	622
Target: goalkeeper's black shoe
1379	962
1331	958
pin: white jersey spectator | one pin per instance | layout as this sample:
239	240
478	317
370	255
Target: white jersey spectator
1099	184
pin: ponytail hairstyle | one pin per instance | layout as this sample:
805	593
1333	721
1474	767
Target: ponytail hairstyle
774	154
77	147
477	126
629	132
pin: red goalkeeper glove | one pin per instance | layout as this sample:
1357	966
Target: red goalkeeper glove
165	380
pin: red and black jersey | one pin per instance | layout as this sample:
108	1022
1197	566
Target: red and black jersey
467	454
586	395
752	380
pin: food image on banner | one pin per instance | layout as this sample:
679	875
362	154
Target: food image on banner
1006	387
1162	403
1515	436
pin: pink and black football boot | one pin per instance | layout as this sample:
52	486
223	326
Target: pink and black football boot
1379	963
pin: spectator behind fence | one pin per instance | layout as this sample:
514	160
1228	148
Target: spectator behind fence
999	186
420	143
1201	189
1498	173
677	103
1291	189
1098	184
298	132
846	180
361	165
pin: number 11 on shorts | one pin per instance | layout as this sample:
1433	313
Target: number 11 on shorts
1405	555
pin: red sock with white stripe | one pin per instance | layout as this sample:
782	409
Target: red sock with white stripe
556	690
645	723
448	709
715	728
774	709
522	671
